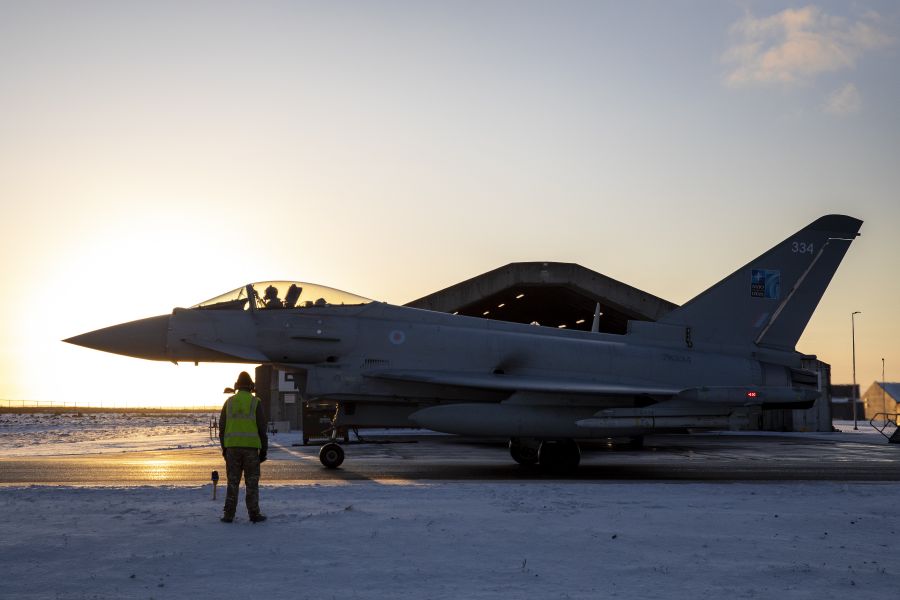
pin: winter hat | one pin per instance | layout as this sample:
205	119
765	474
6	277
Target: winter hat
243	382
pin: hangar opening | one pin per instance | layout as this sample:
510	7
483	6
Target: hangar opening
563	295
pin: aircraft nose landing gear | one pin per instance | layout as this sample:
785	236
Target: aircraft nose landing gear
331	455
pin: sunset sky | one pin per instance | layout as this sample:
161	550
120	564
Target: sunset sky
157	154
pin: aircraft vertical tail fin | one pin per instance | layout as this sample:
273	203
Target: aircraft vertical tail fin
770	300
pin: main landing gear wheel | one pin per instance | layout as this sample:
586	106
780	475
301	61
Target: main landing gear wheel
559	456
331	455
522	452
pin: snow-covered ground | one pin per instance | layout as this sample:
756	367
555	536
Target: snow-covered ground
863	428
456	540
94	433
47	434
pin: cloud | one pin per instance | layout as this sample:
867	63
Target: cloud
795	45
845	100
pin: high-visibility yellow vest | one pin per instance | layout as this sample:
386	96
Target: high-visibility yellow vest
240	421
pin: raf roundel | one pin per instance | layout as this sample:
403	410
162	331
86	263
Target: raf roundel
397	337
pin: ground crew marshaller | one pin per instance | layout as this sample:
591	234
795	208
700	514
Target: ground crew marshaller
242	434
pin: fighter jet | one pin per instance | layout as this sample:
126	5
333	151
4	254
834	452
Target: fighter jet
716	362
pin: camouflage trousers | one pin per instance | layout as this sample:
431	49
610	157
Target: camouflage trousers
242	461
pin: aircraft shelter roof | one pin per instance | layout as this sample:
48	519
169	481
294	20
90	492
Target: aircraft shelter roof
550	293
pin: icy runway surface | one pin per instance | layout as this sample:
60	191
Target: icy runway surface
456	540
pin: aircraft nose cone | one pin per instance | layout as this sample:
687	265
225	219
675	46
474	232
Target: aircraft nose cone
145	338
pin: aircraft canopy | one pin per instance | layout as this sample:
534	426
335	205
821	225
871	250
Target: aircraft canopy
281	294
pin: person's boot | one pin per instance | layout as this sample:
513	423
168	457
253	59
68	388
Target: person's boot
226	518
257	518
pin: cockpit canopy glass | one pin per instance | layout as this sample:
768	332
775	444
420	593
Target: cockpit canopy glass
268	295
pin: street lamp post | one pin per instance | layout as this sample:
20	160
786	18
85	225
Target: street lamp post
853	389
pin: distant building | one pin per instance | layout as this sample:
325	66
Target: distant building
882	398
841	406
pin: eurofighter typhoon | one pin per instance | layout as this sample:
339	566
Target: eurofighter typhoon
713	363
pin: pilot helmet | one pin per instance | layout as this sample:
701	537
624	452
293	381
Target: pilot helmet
271	292
244	382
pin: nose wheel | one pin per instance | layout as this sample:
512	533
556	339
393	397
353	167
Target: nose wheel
331	455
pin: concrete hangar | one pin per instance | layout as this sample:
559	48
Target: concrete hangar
550	294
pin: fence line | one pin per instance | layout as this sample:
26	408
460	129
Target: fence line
99	405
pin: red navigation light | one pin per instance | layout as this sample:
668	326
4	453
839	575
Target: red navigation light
751	394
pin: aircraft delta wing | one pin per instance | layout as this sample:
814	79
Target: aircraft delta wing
567	392
716	362
551	387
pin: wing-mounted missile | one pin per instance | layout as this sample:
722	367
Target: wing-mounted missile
702	408
768	397
674	414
